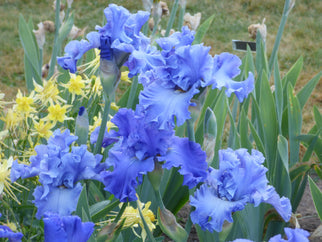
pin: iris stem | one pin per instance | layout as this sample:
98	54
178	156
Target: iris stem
190	129
119	215
159	198
103	125
146	227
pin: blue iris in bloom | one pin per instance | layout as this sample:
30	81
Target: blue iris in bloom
182	70
66	228
6	232
140	145
117	39
293	235
59	171
240	179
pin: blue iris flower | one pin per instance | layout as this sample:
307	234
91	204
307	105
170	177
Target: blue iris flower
117	39
6	232
66	228
141	144
293	235
59	171
179	71
240	179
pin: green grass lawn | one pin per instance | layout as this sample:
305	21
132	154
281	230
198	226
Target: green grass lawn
302	35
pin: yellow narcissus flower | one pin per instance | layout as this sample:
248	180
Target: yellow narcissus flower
5	182
57	113
98	121
94	64
12	119
48	93
75	85
132	218
114	106
125	76
24	104
43	128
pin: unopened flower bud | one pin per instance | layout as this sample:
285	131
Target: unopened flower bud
155	176
167	222
82	126
210	133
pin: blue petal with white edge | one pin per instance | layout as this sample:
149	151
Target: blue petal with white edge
163	104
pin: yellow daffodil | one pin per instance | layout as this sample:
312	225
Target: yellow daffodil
114	106
48	93
12	119
125	77
43	128
24	104
5	182
76	85
57	113
94	64
132	218
98	121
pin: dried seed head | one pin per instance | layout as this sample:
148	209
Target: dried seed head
75	32
192	21
253	28
62	6
49	26
40	35
164	7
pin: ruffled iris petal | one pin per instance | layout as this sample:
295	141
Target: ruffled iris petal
74	50
59	200
122	181
176	40
108	138
190	158
226	67
66	229
282	205
163	104
194	66
211	211
241	177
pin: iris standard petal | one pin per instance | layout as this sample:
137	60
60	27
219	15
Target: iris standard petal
194	66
